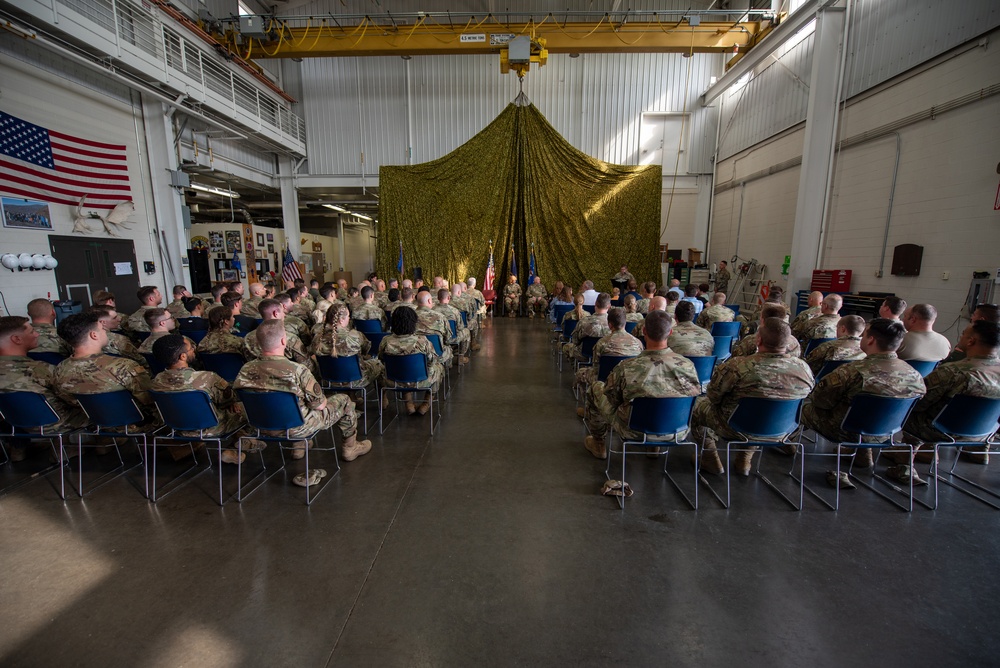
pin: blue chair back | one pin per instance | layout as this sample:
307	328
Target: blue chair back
766	418
51	358
630	325
368	326
704	366
871	415
339	370
723	347
923	367
272	410
410	368
465	318
590	308
587	344
454	327
435	340
26	410
660	416
195	335
730	329
155	366
568	326
376	339
829	366
608	362
735	308
559	311
813	343
966	416
190	410
227	365
111	409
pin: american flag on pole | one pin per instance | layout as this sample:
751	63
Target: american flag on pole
36	163
490	274
289	270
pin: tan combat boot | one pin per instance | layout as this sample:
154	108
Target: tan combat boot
741	466
354	448
408	398
710	462
595	447
299	449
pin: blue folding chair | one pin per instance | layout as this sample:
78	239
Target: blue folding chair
245	324
465	319
764	423
723	348
30	416
735	308
343	374
454	327
568	326
730	329
607	363
587	344
155	366
226	365
410	368
189	411
48	357
813	344
435	340
590	308
368	326
923	367
559	311
274	411
975	421
830	366
630	325
660	421
376	340
704	366
112	414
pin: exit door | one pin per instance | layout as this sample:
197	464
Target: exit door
89	265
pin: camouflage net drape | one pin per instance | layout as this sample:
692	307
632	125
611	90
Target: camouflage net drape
516	183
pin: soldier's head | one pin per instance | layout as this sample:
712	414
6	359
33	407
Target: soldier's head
471	282
920	318
159	320
670	296
271	309
703	288
456	290
629	303
882	336
656	329
771	310
194	306
406	283
108	316
690	290
538	280
406	294
616	318
418	283
149	295
831	304
850	325
403	321
337	316
444	296
424	299
285	301
271	337
234	301
295	294
41	311
657	304
218	290
587	285
815	298
632	285
773	336
892	308
624	269
777	295
368	294
980	339
180	291
327	291
986	312
723	264
684	312
17	336
648	289
342	283
512	279
173	351
83	331
257	289
104	298
235	286
603	303
393	295
719	298
220	318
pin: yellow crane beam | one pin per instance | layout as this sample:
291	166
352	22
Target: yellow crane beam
320	39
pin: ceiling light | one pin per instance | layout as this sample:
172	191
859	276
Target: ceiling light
361	215
216	191
336	208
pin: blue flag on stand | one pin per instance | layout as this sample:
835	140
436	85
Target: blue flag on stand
513	261
399	265
237	265
531	267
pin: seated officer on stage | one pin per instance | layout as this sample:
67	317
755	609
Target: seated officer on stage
618	343
656	372
511	296
536	298
687	338
847	345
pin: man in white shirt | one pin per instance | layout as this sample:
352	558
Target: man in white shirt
589	293
921	341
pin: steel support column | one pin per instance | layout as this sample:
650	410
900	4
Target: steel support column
290	205
172	239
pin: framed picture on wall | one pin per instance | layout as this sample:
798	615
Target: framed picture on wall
229	275
233	241
270	237
270	247
215	243
317	247
260	239
26	214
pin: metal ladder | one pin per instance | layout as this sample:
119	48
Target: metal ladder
746	287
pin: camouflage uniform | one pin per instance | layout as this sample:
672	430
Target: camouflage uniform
122	346
308	303
222	342
95	374
762	375
634	317
294	349
461	340
722	281
49	341
642	305
843	348
177	309
511	297
821	327
23	374
354	302
803	318
616	344
467	305
137	321
690	340
975	376
381	299
624	276
407	345
319	313
342	294
251	307
713	314
430	321
345	343
748	346
303	312
881	374
298	326
536	295
369	312
146	348
480	300
595	325
273	373
654	373
395	305
223	398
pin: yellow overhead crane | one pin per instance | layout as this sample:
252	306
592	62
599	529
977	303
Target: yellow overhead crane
420	34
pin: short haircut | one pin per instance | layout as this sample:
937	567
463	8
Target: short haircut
703	287
690	290
282	298
406	293
649	287
588	285
616	318
103	297
988	333
684	312
218	290
39	308
895	305
393	294
11	324
924	312
670	295
774	334
444	293
423	297
179	290
326	291
75	328
663	292
145	292
230	298
603	301
888	334
403	321
424	288
769	310
270	333
776	294
102	311
294	293
167	349
367	292
852	324
267	306
191	303
833	302
657	326
719	298
988	312
153	315
218	315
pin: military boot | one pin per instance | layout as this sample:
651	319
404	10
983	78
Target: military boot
354	448
741	466
410	408
596	447
299	449
710	462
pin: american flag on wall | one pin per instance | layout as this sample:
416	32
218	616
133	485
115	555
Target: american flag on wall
36	163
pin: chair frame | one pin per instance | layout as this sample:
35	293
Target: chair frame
438	344
942	423
564	337
388	361
587	344
343	384
16	421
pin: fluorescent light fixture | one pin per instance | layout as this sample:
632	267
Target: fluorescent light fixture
361	215
216	191
336	208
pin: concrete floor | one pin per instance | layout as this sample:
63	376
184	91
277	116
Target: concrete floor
489	544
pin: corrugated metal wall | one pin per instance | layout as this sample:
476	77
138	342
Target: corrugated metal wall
887	38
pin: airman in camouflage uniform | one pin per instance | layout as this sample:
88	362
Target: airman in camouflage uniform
985	312
846	347
462	337
150	297
405	341
221	341
813	311
618	343
687	338
717	312
176	307
536	298
722	277
328	294
595	326
468	305
430	321
511	297
368	309
337	340
295	350
477	295
823	326
49	341
251	306
767	374
656	372
748	344
648	292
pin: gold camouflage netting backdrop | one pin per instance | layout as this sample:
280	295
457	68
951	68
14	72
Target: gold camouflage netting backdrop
516	183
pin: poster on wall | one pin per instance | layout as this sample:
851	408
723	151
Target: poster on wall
25	213
215	242
233	241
